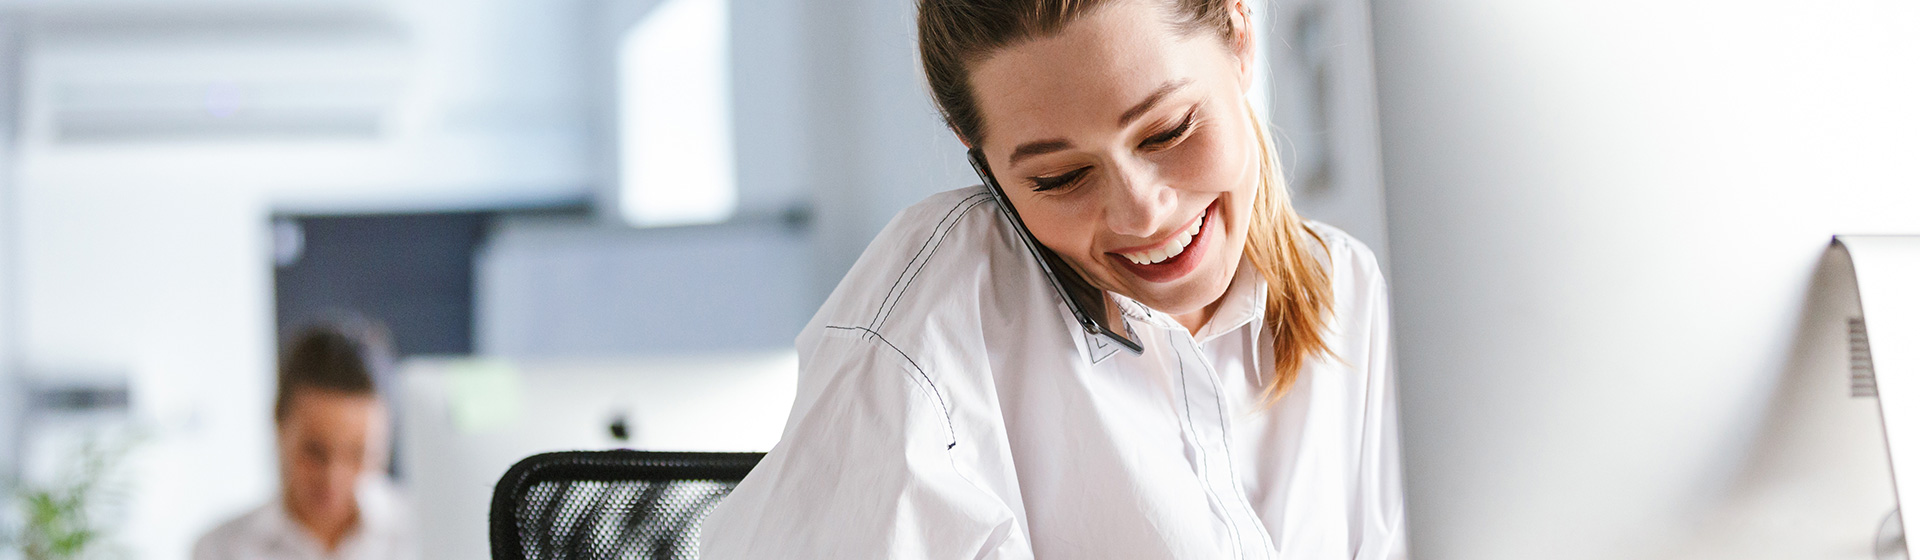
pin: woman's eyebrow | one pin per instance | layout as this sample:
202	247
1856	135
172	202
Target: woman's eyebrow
1039	147
1152	99
1035	148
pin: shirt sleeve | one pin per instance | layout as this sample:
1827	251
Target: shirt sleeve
864	469
1383	534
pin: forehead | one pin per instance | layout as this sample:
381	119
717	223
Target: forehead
1084	76
309	407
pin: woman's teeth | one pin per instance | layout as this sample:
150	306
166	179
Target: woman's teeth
1172	248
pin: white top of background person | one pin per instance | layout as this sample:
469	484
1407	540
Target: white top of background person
950	406
332	428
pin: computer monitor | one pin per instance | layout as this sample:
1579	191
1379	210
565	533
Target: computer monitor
463	422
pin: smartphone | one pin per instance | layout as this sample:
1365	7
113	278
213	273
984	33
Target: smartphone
1090	305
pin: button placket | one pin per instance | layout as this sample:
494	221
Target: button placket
1205	419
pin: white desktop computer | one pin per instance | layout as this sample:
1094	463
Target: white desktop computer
463	422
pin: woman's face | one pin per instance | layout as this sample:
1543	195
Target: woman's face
1127	149
327	441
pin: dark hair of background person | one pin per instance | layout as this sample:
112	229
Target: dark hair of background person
350	357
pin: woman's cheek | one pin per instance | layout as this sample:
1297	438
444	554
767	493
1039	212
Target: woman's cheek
1201	164
1067	227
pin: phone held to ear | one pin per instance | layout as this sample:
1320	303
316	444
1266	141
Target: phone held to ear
1090	305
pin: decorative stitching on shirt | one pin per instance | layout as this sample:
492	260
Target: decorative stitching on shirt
953	438
939	231
1096	344
923	262
1200	452
1221	407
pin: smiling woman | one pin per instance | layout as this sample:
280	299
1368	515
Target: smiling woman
950	407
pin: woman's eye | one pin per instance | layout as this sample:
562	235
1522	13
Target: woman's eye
1042	184
1171	135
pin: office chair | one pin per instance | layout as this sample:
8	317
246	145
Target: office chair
594	505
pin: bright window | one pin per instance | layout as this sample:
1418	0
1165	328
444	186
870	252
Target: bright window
676	117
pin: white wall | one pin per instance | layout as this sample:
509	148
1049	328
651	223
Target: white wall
875	144
1325	117
164	287
10	398
1605	221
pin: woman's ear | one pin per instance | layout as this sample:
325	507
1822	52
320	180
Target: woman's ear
1240	40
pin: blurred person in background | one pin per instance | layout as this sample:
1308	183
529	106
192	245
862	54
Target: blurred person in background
964	393
332	427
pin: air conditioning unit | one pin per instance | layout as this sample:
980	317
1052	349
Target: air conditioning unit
212	77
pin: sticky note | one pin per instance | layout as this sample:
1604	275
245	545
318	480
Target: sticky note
483	394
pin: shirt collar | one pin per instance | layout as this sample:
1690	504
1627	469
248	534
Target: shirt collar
1244	302
372	496
277	525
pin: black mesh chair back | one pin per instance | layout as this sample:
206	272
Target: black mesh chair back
603	505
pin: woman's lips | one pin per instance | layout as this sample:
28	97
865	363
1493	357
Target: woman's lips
1183	260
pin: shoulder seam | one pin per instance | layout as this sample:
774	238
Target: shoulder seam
953	438
927	250
917	257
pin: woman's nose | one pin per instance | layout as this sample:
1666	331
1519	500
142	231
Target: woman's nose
1138	203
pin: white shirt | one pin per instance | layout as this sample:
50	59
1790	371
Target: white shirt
385	532
950	407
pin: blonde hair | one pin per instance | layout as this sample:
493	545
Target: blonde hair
956	33
1299	294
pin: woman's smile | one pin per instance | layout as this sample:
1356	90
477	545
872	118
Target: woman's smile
1173	257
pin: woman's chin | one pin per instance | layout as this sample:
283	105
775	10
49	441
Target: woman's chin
1191	294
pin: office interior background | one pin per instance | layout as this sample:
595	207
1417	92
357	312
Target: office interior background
1605	226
